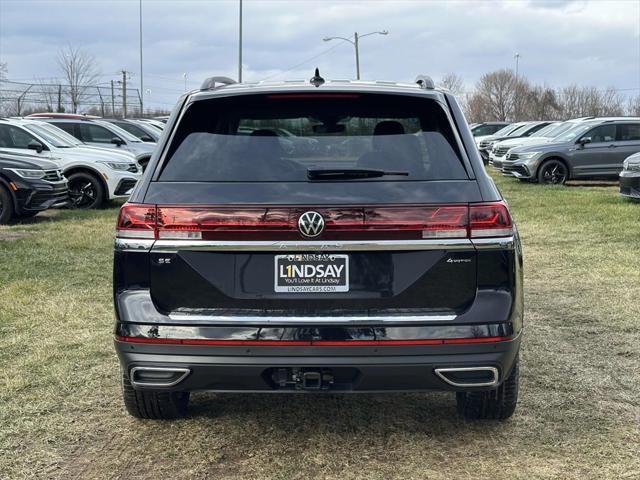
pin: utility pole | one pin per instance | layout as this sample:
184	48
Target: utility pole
141	79
124	94
101	101
113	101
240	46
355	42
59	99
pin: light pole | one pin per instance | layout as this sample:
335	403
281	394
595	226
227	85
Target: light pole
185	81
356	42
141	80
516	109
240	44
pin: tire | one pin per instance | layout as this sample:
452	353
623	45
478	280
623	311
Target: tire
6	206
156	405
498	404
553	172
85	190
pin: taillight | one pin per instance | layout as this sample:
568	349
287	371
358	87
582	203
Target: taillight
418	222
490	220
136	221
281	223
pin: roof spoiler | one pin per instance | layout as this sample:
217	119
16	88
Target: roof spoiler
210	83
425	82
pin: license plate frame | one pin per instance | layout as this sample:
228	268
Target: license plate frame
324	280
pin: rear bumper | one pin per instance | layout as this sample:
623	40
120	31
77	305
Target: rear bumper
351	368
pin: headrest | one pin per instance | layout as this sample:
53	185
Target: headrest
388	127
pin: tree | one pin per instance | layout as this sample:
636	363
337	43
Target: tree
80	72
3	71
496	91
453	83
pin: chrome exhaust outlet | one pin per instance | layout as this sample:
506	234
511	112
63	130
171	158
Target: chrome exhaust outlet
157	376
466	377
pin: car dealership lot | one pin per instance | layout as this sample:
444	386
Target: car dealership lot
61	414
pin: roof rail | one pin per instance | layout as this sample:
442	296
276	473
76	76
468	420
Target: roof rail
425	82
210	83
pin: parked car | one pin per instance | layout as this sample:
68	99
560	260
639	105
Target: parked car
29	185
159	124
103	134
487	128
503	132
522	129
94	175
596	148
630	177
545	135
141	132
395	268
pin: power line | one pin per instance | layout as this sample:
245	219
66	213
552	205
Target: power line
303	62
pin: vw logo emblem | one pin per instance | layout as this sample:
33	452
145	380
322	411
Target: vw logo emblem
311	224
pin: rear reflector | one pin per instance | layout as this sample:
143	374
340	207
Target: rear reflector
347	223
311	343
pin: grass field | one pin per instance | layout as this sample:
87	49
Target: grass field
61	414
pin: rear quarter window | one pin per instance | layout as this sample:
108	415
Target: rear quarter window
280	137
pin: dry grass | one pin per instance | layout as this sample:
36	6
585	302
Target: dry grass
61	414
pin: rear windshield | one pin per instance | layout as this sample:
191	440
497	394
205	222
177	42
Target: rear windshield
283	137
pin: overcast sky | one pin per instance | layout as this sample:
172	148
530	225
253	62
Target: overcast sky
560	42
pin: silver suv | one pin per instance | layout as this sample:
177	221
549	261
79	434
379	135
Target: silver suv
593	148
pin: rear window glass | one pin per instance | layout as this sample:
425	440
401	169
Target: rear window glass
281	137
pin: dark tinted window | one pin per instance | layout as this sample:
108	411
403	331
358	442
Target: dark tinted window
96	133
13	137
279	137
535	128
601	134
67	127
628	131
486	130
134	130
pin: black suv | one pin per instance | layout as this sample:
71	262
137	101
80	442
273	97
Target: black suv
29	185
384	259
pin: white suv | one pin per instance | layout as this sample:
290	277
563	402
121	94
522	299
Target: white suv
95	175
100	133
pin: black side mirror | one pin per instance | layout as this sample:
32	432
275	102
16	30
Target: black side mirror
583	141
146	138
37	146
117	141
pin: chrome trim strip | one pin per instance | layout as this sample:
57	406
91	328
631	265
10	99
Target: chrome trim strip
134	383
499	243
319	320
133	245
441	371
172	246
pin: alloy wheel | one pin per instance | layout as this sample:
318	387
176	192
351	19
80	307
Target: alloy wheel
555	174
82	193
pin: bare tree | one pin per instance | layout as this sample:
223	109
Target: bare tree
3	71
633	106
496	93
79	70
453	83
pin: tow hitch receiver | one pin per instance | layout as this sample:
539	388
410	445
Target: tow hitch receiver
303	378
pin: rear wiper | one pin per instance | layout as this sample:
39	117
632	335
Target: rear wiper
347	173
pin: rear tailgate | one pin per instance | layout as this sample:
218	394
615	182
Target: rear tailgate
386	259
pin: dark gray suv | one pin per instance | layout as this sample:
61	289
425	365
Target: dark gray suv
384	259
595	148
